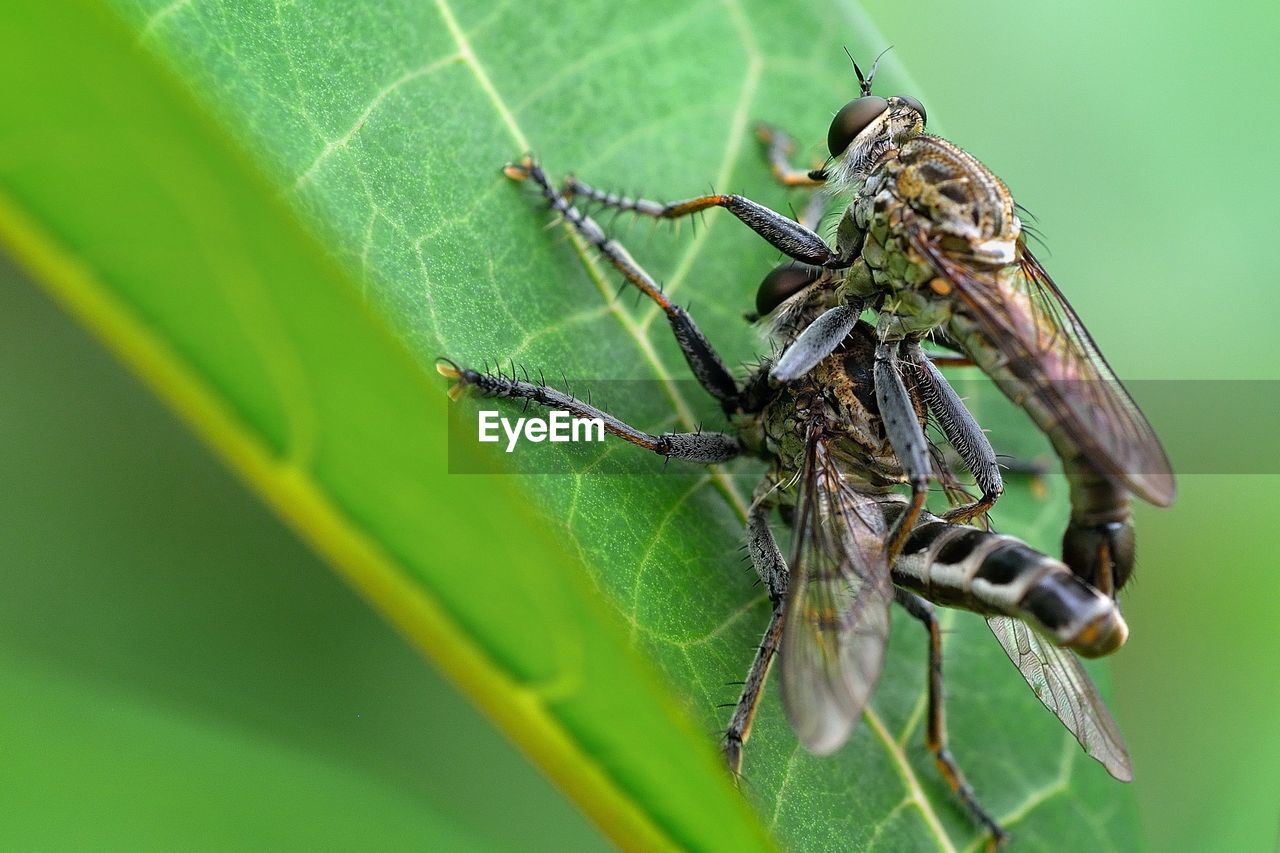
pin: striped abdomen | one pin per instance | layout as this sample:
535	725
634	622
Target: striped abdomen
955	565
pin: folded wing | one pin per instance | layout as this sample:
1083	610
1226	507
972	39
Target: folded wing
837	616
1060	682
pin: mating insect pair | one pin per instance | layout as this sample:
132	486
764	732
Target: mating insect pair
931	243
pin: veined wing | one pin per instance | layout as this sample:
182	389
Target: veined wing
1047	348
1061	683
837	616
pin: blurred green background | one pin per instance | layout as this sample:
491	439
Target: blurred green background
160	632
172	657
1147	160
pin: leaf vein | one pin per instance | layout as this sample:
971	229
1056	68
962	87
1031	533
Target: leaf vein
469	56
721	480
385	92
1060	784
915	791
675	25
159	17
738	613
659	529
732	148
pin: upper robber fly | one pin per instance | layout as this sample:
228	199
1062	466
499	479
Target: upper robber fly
932	242
831	441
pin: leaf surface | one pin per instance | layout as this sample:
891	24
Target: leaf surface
386	125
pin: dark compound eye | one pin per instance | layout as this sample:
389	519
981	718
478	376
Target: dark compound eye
852	119
915	105
783	283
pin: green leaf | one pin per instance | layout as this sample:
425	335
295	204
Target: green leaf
385	124
136	213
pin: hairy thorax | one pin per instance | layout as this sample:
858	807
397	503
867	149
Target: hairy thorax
927	190
957	196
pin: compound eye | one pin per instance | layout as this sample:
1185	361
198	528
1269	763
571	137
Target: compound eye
915	105
852	119
783	283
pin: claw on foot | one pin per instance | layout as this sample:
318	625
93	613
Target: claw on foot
449	370
999	838
731	749
519	171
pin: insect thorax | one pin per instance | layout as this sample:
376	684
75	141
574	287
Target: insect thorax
839	395
955	194
926	190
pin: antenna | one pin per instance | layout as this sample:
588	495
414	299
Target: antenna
864	82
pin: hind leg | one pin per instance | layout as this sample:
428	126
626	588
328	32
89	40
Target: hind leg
936	732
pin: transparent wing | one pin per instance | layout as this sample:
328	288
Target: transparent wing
1046	347
837	616
1061	683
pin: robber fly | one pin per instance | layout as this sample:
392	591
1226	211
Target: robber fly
832	471
932	241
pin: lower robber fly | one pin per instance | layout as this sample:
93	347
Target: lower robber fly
932	241
828	439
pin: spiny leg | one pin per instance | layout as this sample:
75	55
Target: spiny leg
786	235
702	358
706	448
1035	469
945	464
819	339
772	569
778	150
961	430
936	731
757	390
906	436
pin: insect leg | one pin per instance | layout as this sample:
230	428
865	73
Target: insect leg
819	339
703	360
1098	543
783	233
779	146
772	568
961	430
906	435
1034	470
778	149
936	732
706	448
